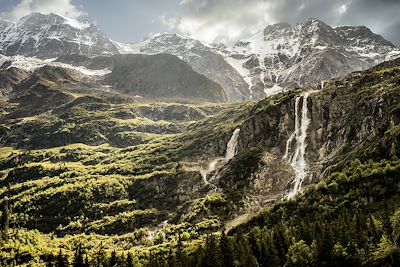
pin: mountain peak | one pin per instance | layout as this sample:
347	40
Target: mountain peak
170	35
314	20
38	18
52	35
309	52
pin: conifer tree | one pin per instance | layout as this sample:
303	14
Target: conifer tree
5	219
181	257
113	259
227	250
213	255
171	258
245	256
61	260
129	260
78	257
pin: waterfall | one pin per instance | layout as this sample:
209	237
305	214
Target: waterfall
231	151
231	147
297	159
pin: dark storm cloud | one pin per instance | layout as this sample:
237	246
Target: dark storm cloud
229	19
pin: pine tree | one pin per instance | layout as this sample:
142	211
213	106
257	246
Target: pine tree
181	257
227	250
86	261
254	240
101	256
300	254
280	243
78	257
5	219
213	253
245	256
270	256
129	260
197	258
61	260
171	258
113	259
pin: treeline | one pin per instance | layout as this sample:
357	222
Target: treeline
351	219
351	239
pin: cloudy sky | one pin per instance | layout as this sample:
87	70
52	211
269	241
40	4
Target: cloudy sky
213	20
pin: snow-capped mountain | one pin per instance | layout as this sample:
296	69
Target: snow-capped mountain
201	57
281	57
284	56
51	35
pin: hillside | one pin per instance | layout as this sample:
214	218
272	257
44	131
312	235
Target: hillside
162	76
113	172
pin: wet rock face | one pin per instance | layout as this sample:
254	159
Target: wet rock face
351	118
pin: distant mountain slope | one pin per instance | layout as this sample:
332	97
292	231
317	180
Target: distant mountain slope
51	35
281	57
201	57
286	56
162	76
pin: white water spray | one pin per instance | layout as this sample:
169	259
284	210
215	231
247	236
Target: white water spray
231	151
231	147
297	159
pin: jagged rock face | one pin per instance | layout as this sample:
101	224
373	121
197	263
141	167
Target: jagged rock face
162	76
285	56
50	36
200	57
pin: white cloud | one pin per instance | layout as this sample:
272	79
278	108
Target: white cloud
61	7
342	9
220	20
229	20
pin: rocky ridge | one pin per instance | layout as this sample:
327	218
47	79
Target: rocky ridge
285	56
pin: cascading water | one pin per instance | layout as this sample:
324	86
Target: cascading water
297	159
231	151
231	147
